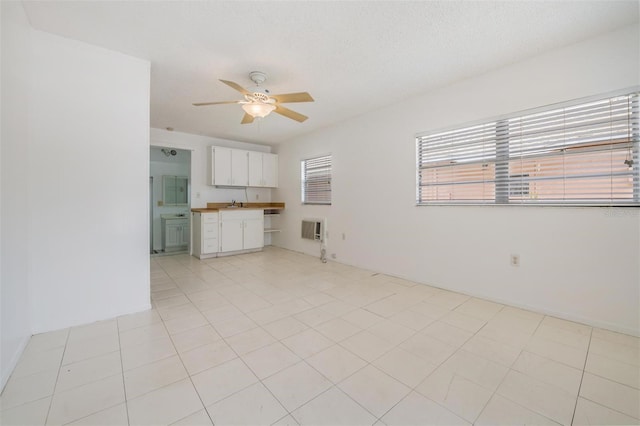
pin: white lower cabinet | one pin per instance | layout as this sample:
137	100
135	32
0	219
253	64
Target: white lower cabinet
231	233
227	231
205	235
175	234
241	230
253	233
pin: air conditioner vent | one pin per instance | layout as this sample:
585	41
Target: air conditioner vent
311	229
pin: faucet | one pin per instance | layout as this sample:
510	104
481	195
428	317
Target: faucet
233	202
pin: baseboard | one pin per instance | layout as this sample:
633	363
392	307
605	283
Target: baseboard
110	316
6	373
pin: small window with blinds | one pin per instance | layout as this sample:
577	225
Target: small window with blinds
578	154
316	180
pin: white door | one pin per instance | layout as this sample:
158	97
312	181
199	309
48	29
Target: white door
221	158
253	233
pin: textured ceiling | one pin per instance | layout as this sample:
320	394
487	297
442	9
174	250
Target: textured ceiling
352	56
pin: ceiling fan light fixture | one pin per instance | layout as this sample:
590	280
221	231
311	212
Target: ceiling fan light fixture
258	109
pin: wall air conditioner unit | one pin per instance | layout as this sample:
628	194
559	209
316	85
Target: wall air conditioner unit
311	229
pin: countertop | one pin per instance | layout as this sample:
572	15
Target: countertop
170	216
214	207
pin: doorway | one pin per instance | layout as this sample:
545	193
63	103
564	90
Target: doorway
170	200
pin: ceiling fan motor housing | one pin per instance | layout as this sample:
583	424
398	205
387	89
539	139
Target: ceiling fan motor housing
259	93
259	97
258	77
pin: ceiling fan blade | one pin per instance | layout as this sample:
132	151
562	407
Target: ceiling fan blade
293	97
215	103
290	114
236	86
247	119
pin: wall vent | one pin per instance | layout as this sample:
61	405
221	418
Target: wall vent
311	229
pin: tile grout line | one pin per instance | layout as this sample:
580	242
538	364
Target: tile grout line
124	387
501	381
180	357
584	367
64	351
301	360
411	389
509	369
237	356
449	357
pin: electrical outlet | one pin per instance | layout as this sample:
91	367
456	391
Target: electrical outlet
257	196
515	260
333	255
197	195
344	236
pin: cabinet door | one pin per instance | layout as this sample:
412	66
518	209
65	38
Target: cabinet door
253	233
209	230
184	234
221	166
239	167
255	169
230	235
270	170
172	234
210	246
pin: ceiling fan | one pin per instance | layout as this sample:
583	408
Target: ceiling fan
258	102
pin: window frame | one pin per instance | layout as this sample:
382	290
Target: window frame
501	158
303	174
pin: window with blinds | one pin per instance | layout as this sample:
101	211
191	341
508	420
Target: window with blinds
316	180
579	154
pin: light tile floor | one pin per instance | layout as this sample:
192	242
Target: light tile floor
277	337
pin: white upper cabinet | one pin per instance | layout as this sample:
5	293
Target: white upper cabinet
220	166
229	167
239	167
255	169
270	170
263	169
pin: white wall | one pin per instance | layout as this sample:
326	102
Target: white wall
88	179
15	329
577	263
201	191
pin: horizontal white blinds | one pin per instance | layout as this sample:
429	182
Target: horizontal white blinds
583	153
316	180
